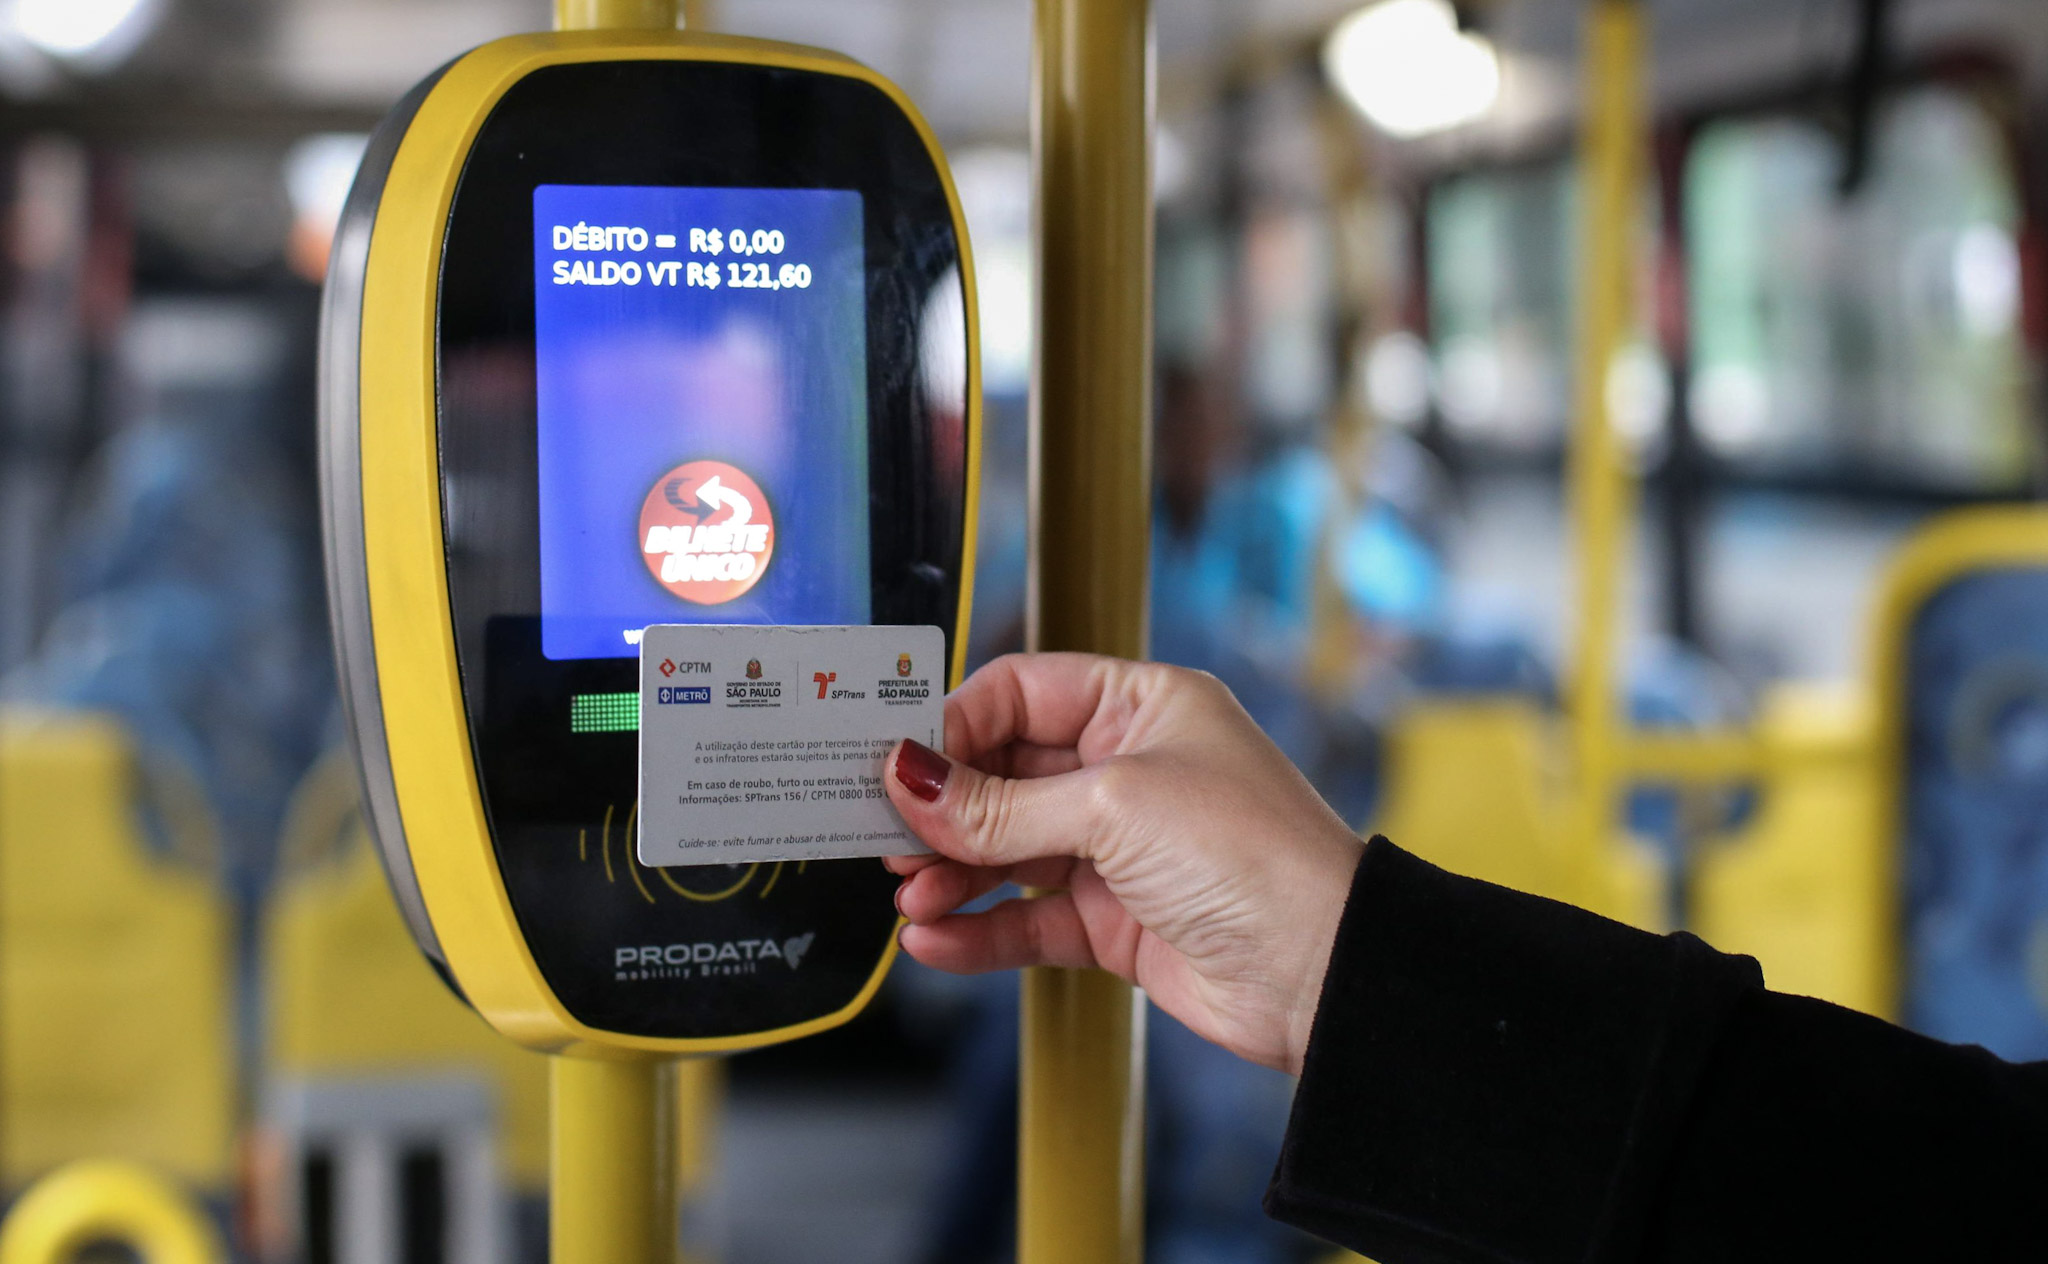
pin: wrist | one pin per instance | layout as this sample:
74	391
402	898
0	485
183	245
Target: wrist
1322	922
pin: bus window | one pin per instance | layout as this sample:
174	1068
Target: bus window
1503	309
1873	340
1499	267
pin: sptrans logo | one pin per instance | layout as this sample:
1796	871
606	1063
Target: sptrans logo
706	532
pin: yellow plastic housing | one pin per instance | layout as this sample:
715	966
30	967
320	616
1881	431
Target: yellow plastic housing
424	719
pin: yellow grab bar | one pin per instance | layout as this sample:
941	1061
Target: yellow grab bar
1602	485
103	1200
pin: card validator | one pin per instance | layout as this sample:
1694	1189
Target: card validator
627	329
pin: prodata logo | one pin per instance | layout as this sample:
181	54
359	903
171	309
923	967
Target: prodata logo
706	532
709	959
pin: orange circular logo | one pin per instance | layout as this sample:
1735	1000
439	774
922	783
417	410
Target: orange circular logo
706	532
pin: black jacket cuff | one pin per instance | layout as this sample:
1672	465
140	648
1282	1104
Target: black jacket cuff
1494	1076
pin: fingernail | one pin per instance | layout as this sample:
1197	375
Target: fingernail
922	770
899	896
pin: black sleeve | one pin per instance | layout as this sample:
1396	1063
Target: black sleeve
1821	1133
1497	1077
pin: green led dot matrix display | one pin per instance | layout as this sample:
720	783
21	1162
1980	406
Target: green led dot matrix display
604	713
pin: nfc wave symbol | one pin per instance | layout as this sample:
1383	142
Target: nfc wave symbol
669	695
770	872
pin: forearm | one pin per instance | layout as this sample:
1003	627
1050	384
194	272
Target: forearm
1497	1077
1821	1133
1494	1076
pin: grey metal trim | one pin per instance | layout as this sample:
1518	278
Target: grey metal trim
341	506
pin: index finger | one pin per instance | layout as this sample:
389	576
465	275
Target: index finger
1058	701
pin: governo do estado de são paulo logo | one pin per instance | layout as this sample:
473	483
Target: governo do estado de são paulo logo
706	532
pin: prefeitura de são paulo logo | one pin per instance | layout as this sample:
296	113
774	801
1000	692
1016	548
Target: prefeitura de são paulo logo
706	532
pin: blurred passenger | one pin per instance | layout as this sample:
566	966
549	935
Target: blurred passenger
1191	564
1232	565
1237	535
192	601
1001	542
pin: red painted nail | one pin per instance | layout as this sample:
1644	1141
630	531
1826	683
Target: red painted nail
922	770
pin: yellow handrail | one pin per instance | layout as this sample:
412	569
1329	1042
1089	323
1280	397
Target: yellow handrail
1602	488
108	1200
1703	757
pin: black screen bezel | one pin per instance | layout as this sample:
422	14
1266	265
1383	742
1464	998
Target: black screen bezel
551	797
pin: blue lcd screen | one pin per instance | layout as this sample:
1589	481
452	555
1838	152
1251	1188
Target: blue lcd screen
701	363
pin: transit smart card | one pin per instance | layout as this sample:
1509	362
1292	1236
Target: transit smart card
769	744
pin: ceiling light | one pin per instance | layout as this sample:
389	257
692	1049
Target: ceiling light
1408	68
80	29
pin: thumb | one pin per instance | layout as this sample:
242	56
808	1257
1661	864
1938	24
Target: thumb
967	815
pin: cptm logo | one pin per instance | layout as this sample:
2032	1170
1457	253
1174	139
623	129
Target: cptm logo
706	532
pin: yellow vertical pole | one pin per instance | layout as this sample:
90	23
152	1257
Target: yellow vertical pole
700	1082
1348	196
1080	1190
700	1088
611	1162
1602	488
700	15
612	1148
615	15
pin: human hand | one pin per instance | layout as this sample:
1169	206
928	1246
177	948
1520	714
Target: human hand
1190	856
